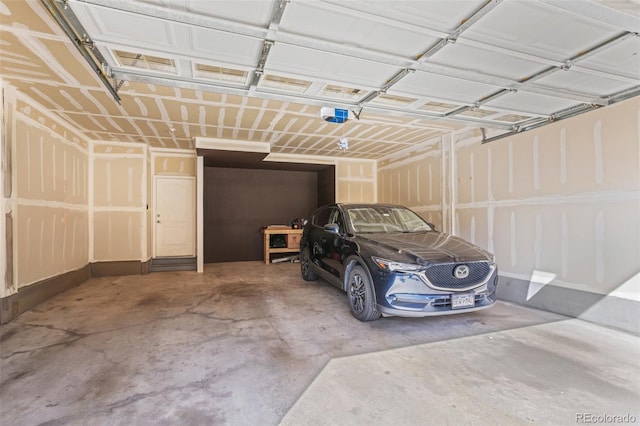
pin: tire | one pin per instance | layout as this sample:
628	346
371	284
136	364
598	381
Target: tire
305	266
362	300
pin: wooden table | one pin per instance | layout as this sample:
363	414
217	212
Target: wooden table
278	230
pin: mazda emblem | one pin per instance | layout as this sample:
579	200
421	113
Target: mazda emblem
461	271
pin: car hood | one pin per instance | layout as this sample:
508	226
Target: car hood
423	247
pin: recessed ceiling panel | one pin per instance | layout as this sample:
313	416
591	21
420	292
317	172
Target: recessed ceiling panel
354	29
621	59
225	47
539	29
327	66
115	25
256	12
583	83
486	61
443	87
531	103
439	15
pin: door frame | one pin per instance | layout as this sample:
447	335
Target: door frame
155	210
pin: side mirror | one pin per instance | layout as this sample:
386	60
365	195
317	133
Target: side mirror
332	227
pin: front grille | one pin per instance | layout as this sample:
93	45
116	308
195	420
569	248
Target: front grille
441	276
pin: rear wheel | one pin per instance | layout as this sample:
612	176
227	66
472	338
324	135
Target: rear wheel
362	300
305	266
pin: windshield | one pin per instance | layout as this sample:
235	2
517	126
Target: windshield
377	219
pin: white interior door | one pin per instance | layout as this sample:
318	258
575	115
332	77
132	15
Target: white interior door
175	219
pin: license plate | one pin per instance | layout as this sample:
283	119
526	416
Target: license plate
459	301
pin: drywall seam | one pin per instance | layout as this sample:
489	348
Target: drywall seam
512	238
510	155
537	245
173	152
587	197
355	179
108	170
564	244
418	190
426	208
413	148
489	174
600	241
472	174
563	156
20	116
408	185
101	156
97	142
21	96
374	173
27	202
430	182
409	160
597	147
536	162
452	184
115	209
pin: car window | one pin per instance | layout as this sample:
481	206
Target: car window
336	217
381	219
321	218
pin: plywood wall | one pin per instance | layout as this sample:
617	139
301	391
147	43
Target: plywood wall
45	196
356	181
119	201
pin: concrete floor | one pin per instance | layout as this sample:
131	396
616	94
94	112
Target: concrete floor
249	344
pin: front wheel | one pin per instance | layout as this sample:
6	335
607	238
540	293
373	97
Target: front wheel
361	296
305	266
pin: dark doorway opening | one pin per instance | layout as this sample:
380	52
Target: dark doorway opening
238	202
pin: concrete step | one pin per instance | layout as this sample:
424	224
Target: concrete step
173	264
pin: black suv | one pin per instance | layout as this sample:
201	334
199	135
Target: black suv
391	262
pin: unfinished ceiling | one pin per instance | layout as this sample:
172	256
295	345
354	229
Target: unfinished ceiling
260	70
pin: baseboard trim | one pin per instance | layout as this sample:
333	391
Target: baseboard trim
117	268
601	309
34	294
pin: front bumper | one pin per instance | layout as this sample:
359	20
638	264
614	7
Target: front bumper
406	294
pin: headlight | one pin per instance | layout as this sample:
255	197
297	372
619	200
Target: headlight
389	265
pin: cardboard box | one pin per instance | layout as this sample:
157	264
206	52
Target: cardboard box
293	241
